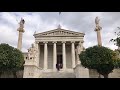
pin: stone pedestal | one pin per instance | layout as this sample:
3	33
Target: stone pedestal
31	70
81	72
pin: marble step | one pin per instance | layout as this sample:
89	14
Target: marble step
58	75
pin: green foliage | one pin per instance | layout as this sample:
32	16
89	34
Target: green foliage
99	58
117	39
117	59
11	59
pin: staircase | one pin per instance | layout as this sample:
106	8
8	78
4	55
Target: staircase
58	75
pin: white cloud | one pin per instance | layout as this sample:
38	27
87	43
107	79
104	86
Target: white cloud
44	21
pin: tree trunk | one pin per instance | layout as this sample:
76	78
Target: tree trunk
14	74
105	75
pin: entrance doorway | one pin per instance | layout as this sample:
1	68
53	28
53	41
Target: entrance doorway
59	64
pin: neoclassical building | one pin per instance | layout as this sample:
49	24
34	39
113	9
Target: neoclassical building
58	46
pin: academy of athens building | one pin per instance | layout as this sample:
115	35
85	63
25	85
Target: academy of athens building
53	47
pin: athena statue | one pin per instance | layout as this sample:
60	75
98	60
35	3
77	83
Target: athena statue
22	23
97	20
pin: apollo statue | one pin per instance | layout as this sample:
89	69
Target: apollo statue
97	21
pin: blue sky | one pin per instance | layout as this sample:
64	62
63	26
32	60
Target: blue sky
83	22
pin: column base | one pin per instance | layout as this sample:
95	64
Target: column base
81	72
31	70
55	70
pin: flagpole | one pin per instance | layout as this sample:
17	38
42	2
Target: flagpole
59	17
59	20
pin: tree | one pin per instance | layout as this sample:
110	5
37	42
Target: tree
116	42
117	39
117	60
99	58
11	59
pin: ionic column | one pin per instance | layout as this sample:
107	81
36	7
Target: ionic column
73	54
64	55
54	55
38	53
45	55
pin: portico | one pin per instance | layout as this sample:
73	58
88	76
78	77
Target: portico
58	46
55	50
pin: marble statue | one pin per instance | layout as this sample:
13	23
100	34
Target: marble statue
32	52
97	20
79	48
21	23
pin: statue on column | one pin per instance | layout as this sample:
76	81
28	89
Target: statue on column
97	20
21	23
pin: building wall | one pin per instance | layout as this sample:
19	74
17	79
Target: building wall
68	56
93	73
115	74
50	56
41	60
25	56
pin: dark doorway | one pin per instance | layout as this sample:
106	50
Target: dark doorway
59	64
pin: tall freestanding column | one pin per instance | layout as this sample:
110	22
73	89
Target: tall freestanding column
97	29
64	55
45	55
73	54
21	31
54	55
38	53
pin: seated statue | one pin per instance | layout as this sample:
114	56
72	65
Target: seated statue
32	52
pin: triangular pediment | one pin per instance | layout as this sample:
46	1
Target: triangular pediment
59	32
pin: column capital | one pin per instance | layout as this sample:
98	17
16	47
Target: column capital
63	41
81	42
37	42
45	42
54	42
72	41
